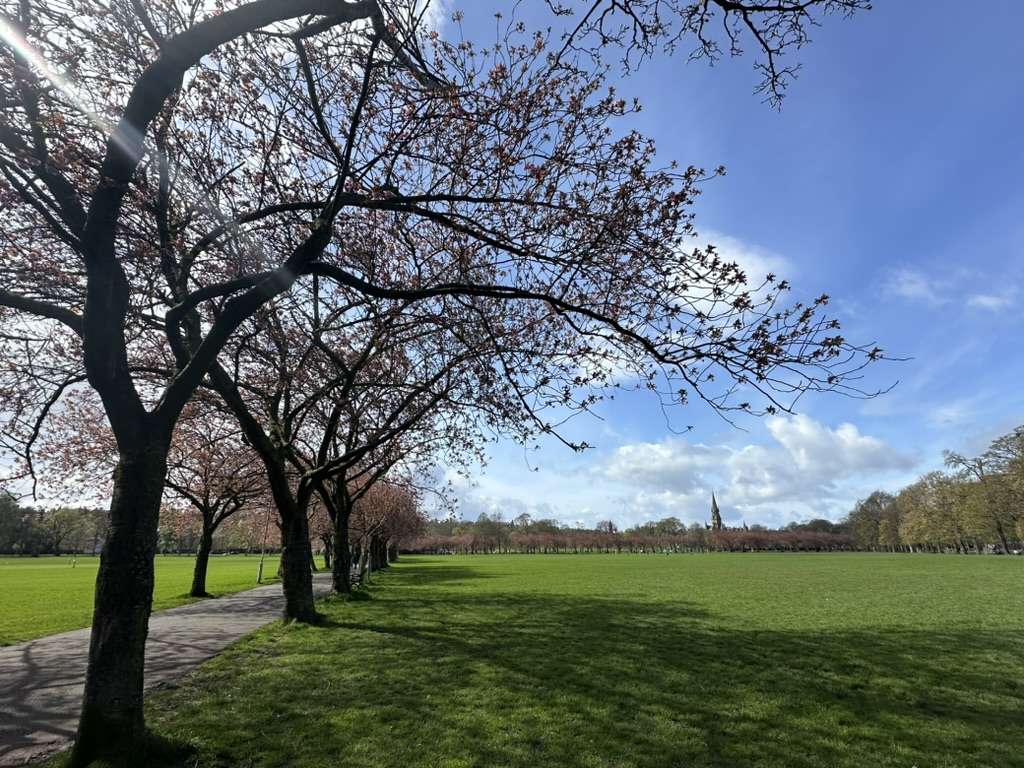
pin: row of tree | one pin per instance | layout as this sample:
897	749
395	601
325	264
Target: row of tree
975	506
492	535
299	250
383	521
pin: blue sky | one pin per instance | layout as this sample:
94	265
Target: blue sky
891	180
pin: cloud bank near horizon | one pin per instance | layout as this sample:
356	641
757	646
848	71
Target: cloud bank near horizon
807	469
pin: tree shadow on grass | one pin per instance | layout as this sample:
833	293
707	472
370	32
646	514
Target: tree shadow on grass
462	679
435	575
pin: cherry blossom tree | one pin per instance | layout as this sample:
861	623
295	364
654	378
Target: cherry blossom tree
210	468
387	515
335	394
168	169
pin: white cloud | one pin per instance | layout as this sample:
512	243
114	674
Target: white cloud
755	261
656	505
504	507
805	469
954	412
673	464
914	285
824	451
436	13
810	470
989	301
946	286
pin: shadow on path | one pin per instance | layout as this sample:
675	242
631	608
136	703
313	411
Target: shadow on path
41	680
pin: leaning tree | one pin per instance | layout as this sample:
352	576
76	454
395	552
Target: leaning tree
169	168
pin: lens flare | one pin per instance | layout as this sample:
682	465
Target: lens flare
33	58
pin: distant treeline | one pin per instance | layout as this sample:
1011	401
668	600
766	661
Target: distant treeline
32	531
527	536
26	530
858	532
976	507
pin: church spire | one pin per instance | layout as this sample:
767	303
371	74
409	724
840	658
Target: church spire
716	516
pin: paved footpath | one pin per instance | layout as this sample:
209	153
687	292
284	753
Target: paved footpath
41	681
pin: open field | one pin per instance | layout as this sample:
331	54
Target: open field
702	660
44	595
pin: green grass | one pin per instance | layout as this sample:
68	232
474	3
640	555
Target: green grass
44	595
603	660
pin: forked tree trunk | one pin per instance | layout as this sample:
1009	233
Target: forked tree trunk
111	727
202	563
296	553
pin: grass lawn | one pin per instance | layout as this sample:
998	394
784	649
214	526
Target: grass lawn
44	595
604	660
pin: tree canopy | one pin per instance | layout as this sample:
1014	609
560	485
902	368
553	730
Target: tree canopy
234	197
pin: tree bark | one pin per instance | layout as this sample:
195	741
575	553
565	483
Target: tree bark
341	574
202	563
111	726
1002	537
296	577
375	559
364	561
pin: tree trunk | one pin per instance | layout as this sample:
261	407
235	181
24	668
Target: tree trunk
364	562
1002	537
376	561
111	725
341	575
202	562
296	577
296	553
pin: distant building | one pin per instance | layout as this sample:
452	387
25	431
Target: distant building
716	516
